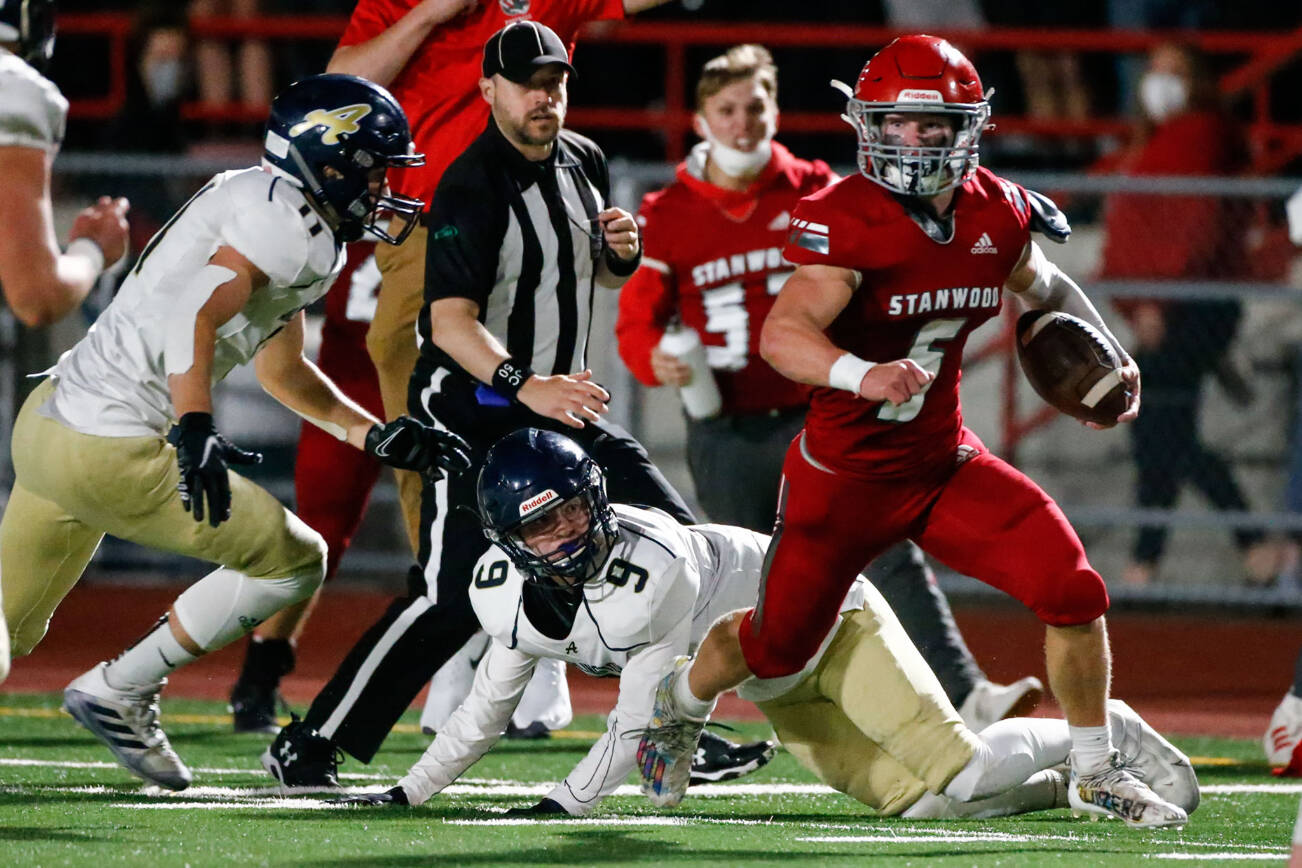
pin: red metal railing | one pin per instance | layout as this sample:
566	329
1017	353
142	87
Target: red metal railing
1263	54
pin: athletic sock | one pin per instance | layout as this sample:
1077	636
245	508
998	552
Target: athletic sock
687	702
149	661
1091	746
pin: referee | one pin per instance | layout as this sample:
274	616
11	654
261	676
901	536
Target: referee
520	236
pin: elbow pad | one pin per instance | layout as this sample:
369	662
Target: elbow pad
178	352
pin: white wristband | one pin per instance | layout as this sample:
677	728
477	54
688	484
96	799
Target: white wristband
848	372
87	249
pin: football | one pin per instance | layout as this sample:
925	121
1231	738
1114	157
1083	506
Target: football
1071	366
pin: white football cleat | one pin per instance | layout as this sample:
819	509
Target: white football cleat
668	744
1285	731
127	723
1114	791
989	702
1153	759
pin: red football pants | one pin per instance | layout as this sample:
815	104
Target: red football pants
333	480
984	519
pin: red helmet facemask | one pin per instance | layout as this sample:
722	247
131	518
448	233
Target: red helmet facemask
918	74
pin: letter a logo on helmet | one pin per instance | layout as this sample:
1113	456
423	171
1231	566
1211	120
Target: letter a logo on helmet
337	122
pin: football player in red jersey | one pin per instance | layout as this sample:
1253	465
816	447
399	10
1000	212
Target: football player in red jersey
897	265
713	258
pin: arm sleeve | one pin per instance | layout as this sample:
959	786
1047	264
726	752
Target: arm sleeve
613	757
646	303
465	235
475	726
668	633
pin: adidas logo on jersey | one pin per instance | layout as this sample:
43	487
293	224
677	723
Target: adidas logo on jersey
984	244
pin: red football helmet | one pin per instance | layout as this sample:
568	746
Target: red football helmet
918	73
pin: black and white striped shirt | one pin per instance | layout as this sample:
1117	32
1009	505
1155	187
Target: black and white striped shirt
517	237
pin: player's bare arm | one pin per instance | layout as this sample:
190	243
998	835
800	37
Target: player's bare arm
381	58
632	7
293	380
192	388
620	234
571	399
795	343
1039	283
42	285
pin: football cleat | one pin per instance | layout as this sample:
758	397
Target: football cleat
253	708
717	759
302	758
1285	731
127	722
988	702
668	745
534	731
1114	791
1153	759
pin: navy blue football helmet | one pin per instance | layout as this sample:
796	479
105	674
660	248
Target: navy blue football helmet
531	474
331	132
30	23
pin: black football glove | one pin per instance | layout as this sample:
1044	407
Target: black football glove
410	444
395	796
203	456
546	806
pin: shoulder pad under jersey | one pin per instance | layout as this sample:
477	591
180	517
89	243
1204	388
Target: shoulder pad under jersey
1047	219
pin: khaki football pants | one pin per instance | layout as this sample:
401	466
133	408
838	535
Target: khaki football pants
73	488
871	720
391	343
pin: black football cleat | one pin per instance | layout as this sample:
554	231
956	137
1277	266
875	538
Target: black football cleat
718	759
302	758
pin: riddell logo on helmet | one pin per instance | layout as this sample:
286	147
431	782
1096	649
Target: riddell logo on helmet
920	96
537	501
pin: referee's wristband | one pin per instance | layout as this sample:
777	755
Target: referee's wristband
848	372
509	377
623	267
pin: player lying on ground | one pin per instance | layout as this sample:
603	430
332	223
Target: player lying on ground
618	590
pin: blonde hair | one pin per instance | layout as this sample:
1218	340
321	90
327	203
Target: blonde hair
737	64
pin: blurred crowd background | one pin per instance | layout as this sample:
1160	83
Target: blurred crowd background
1180	230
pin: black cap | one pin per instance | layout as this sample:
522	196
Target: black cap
520	48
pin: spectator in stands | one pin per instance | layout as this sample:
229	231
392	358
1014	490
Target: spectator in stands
1182	129
158	80
218	79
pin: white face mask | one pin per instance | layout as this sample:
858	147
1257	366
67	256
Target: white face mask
1162	95
738	164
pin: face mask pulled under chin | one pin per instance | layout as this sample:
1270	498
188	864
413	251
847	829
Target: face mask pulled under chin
1162	95
738	164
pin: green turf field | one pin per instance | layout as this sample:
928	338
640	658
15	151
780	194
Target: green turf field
63	801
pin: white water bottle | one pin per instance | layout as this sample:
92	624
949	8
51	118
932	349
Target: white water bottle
700	396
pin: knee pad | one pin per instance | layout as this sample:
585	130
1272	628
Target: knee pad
773	656
224	605
1078	598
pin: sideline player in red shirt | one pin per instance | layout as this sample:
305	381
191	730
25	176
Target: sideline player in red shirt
713	257
427	53
898	264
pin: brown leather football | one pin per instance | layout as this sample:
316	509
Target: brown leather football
1071	366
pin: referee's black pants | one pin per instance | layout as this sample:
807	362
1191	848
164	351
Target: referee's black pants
418	633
